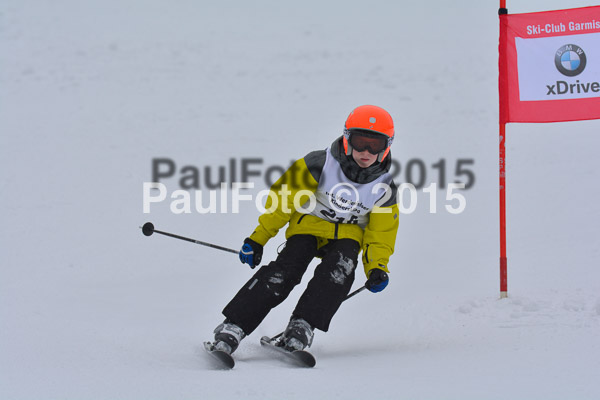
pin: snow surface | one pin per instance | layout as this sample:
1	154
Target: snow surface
91	309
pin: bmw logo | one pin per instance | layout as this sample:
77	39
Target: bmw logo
570	60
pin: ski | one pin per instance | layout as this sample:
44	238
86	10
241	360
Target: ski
225	359
299	357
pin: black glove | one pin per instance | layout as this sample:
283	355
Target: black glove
378	280
251	253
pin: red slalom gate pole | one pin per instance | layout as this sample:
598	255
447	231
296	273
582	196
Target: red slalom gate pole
503	263
502	66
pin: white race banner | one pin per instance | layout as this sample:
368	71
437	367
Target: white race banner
559	67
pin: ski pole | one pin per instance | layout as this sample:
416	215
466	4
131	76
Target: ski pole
357	291
148	230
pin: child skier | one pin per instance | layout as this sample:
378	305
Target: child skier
361	215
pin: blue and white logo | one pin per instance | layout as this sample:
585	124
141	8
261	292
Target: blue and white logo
570	60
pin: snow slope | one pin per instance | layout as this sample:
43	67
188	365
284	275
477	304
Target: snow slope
91	309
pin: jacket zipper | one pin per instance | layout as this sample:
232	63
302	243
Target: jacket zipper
335	235
300	219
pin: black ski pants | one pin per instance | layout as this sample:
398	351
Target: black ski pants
272	283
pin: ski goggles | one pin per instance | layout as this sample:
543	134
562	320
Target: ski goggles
373	142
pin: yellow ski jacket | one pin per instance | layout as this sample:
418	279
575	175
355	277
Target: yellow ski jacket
290	196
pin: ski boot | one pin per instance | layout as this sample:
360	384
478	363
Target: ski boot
227	337
298	335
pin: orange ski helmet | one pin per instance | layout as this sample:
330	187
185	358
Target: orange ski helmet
371	119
